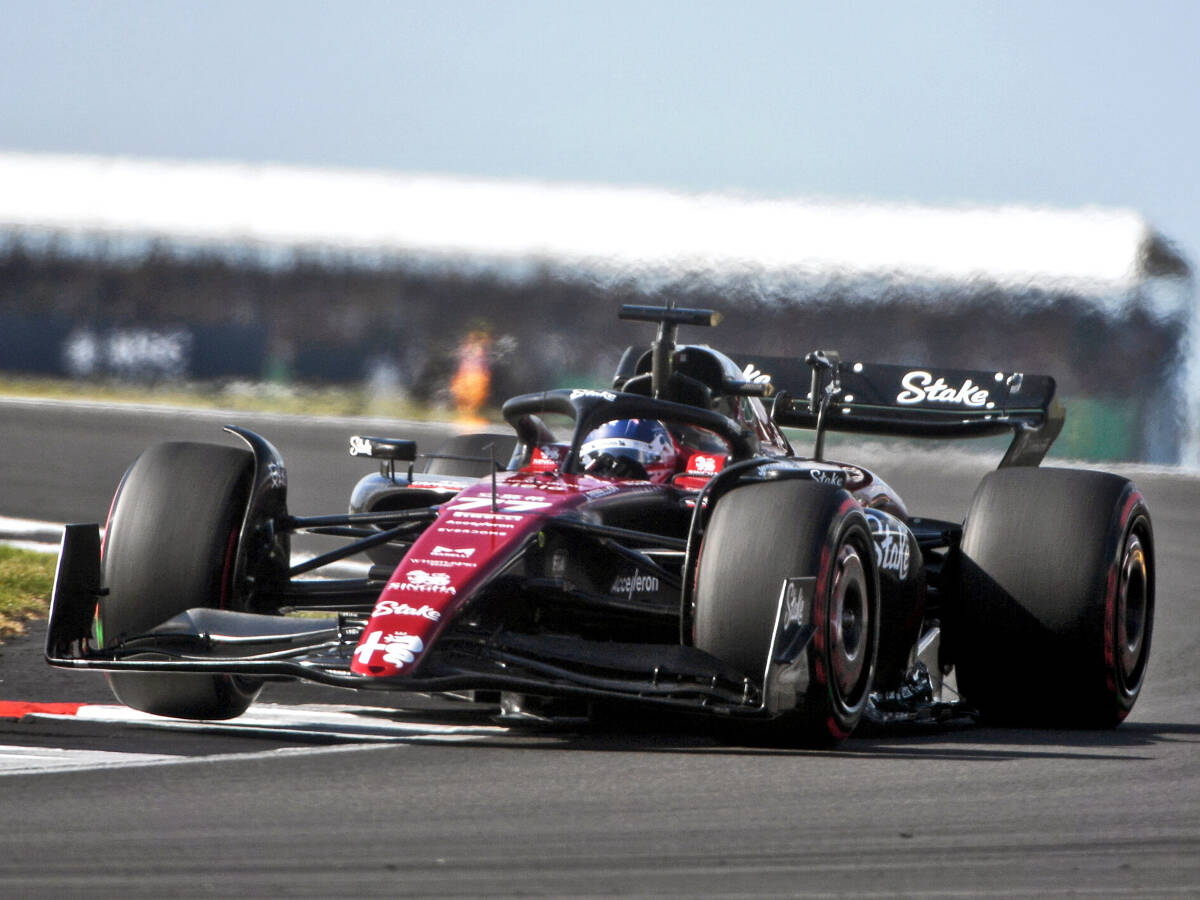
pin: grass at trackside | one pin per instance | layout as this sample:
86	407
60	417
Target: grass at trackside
238	395
25	580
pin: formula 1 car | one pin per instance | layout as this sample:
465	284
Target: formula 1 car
671	549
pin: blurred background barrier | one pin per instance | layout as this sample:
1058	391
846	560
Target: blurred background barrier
445	289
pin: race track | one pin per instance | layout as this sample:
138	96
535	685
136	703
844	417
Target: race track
313	800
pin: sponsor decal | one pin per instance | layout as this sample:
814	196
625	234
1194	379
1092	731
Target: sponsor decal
793	604
854	474
596	493
360	446
446	487
545	458
469	520
532	478
795	629
277	475
452	552
465	512
892	553
637	583
399	648
439	579
705	465
445	563
892	550
506	503
486	532
923	387
394	608
424	582
448	558
751	373
558	564
129	352
828	476
603	395
551	487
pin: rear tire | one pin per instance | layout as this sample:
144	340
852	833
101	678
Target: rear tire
759	536
170	545
482	447
1057	589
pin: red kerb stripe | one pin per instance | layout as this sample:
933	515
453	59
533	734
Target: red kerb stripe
18	709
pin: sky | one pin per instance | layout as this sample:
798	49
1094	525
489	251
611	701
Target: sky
1066	103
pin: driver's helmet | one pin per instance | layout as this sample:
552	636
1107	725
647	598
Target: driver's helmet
630	448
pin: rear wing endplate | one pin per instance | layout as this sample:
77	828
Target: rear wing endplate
911	401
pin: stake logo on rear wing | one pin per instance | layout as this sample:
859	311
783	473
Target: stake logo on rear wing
920	387
917	401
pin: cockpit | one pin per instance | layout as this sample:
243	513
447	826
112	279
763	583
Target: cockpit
706	378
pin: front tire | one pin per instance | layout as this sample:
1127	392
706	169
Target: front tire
170	545
761	535
1057	592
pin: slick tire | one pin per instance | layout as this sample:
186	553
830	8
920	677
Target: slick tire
759	536
478	449
1056	584
170	545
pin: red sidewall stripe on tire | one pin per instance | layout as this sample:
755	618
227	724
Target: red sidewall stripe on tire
1110	601
820	622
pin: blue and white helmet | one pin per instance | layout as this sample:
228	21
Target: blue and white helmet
631	448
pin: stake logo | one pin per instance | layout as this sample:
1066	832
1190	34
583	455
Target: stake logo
922	387
392	608
837	478
752	373
603	395
892	550
793	604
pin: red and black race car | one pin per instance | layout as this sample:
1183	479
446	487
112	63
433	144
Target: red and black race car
668	547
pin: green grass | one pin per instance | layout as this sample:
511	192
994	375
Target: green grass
25	581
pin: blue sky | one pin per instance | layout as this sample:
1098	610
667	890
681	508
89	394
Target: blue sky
1065	103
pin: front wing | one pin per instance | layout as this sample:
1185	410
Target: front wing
320	650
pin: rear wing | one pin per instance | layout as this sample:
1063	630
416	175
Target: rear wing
914	401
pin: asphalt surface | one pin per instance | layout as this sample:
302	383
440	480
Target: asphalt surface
641	807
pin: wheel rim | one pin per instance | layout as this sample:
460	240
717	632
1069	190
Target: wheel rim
850	623
1133	601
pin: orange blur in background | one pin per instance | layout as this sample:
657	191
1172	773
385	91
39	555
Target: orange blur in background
472	380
